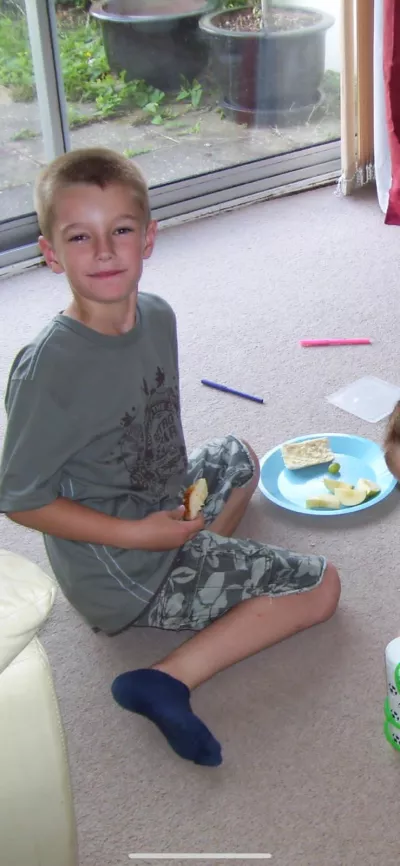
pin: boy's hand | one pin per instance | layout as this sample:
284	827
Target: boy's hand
166	530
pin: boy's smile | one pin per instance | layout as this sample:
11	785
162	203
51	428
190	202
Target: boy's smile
100	241
102	275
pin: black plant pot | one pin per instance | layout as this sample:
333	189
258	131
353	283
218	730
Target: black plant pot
268	77
155	40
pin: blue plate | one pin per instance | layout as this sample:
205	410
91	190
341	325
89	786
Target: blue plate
358	458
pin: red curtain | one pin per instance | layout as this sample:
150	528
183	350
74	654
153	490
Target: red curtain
391	71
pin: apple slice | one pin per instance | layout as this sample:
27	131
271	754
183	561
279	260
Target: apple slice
369	487
333	485
323	501
350	498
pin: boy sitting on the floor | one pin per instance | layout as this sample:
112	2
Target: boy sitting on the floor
95	459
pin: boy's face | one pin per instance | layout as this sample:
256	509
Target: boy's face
99	240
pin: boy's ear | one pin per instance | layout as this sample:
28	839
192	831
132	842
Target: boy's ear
150	239
49	255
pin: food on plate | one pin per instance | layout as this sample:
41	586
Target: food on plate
326	500
194	498
331	484
334	468
370	487
311	452
341	493
350	498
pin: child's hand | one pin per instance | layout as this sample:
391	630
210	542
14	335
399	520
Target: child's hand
166	530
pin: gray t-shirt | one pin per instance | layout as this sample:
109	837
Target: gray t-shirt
96	419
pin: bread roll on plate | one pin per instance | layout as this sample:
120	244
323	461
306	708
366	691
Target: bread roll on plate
310	452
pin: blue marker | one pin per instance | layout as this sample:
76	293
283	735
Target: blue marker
231	391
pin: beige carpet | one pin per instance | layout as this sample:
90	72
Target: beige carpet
307	774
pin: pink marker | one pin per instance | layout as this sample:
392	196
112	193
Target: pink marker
353	342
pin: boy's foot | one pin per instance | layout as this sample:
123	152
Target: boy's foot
166	702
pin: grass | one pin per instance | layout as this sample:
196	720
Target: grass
86	73
24	135
131	153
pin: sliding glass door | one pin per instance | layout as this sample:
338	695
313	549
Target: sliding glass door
33	119
216	105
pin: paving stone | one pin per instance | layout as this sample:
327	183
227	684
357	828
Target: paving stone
195	143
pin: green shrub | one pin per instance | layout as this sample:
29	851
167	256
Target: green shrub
15	58
72	4
84	64
86	73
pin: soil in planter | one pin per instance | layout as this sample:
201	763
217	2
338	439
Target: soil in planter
139	9
249	20
263	77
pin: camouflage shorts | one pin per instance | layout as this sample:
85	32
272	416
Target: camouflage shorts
212	574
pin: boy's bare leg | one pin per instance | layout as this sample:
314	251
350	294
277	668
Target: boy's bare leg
250	627
233	511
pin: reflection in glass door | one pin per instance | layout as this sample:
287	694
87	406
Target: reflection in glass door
28	132
21	139
33	128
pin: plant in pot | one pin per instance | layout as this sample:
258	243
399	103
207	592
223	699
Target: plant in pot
268	60
157	41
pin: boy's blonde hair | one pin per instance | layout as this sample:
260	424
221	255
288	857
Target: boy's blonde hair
96	165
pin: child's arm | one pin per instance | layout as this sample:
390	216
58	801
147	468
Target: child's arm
392	442
63	518
42	433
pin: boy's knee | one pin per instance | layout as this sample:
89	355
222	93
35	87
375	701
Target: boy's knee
326	596
253	455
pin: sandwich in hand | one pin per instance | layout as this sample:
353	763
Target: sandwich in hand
194	498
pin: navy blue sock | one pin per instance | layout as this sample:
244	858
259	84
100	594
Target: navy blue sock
166	702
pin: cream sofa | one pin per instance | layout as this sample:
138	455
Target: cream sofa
37	826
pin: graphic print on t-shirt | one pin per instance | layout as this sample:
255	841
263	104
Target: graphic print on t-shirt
152	447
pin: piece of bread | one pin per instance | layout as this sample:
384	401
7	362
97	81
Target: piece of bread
194	498
311	452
